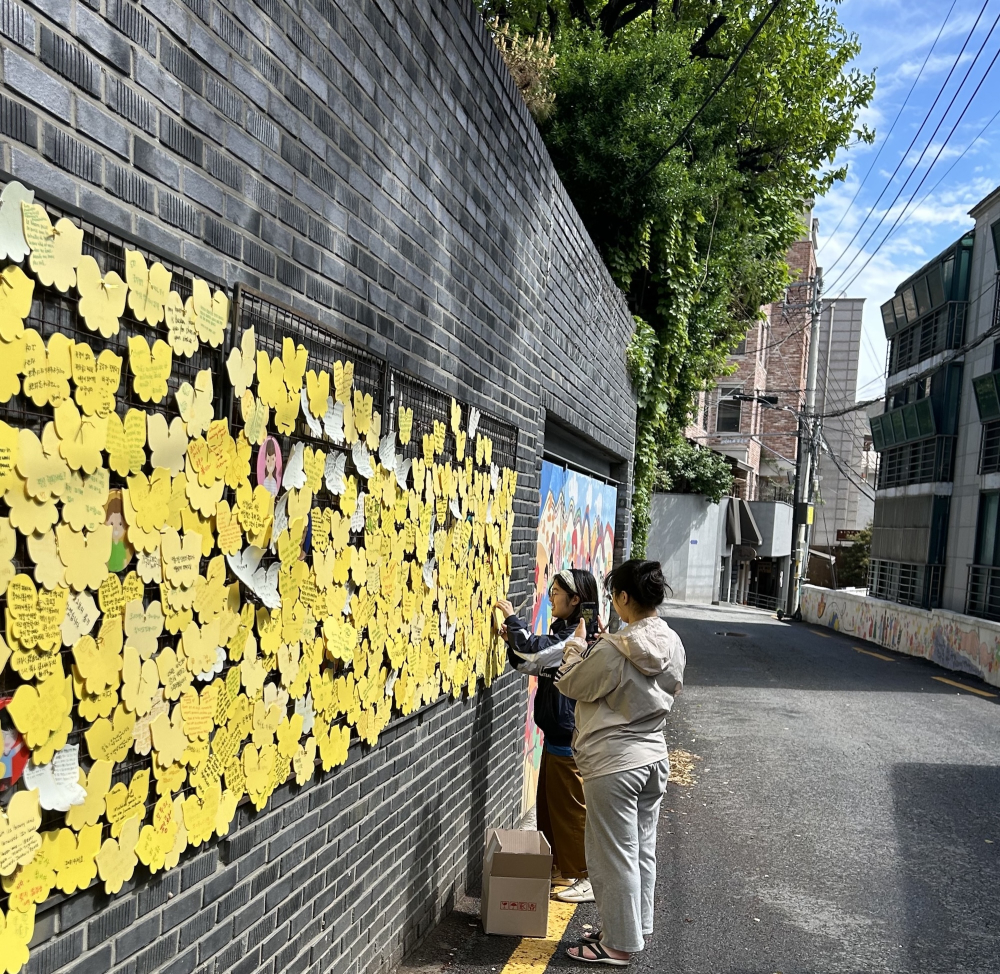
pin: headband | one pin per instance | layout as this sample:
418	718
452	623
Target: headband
566	577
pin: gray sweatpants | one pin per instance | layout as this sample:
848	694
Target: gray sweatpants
622	812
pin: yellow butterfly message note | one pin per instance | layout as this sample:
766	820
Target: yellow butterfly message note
405	424
110	739
140	682
16	292
169	741
148	287
96	380
211	312
168	445
125	442
227	526
200	814
55	250
255	512
73	858
46	369
304	761
143	627
241	363
317	392
116	861
85	556
182	330
198	711
99	661
195	404
181	558
81	438
96	784
174	673
151	368
102	298
19	838
259	767
343	380
125	803
157	839
33	617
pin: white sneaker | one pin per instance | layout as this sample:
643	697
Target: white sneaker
580	892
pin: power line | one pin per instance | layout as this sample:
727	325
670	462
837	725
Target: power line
892	127
736	63
913	142
868	260
927	172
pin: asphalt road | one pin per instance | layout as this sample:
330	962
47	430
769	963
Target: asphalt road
846	816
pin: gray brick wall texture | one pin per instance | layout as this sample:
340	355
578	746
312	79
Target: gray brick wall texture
371	163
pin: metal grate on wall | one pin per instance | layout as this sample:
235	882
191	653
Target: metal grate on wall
53	312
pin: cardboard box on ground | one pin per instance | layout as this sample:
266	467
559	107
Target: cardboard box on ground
517	872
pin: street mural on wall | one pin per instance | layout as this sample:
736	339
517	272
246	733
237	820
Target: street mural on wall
576	529
958	642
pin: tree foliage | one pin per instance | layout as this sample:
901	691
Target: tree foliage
694	234
852	562
685	468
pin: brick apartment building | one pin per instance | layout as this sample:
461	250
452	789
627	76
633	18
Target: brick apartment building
751	418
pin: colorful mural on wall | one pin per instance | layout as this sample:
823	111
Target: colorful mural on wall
576	529
958	642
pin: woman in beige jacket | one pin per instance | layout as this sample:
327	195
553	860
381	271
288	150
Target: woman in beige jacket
624	686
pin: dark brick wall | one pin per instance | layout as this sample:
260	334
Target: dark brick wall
372	164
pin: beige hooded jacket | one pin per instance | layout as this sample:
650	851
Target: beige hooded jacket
624	686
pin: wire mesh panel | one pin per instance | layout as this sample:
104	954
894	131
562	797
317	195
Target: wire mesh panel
429	406
53	312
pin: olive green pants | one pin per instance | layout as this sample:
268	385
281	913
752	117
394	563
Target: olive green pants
562	814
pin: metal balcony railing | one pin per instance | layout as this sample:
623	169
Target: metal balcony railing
982	593
989	450
920	462
768	491
942	329
894	581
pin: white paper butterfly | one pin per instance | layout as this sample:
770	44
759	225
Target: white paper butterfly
358	517
295	474
334	472
315	425
387	454
304	708
473	422
280	520
403	472
333	421
220	662
263	582
362	460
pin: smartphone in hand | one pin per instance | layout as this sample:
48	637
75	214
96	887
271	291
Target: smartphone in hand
589	614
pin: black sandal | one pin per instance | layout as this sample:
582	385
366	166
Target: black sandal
601	956
591	938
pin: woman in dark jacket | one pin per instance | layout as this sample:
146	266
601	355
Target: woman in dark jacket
560	808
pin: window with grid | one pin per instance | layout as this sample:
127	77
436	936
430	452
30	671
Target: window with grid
728	413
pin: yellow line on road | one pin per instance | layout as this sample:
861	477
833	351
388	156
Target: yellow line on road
532	955
962	686
868	652
825	635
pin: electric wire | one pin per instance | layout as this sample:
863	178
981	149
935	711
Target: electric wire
927	172
732	68
888	135
913	141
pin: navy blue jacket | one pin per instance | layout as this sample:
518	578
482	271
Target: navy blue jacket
541	656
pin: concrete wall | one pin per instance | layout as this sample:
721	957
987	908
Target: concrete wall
371	163
958	642
684	534
774	519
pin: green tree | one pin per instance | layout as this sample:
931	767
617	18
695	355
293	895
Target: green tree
852	563
695	233
689	469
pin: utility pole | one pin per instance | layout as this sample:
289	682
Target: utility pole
805	467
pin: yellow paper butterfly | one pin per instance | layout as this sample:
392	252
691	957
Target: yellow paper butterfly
148	288
150	368
55	250
102	299
16	292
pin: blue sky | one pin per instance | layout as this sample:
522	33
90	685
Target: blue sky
896	37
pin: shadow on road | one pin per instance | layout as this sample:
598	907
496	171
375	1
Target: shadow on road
754	651
948	835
